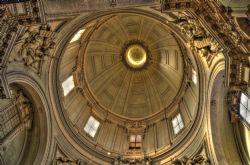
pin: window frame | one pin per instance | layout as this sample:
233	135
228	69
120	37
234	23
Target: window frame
244	118
65	85
135	145
181	127
194	74
91	127
77	36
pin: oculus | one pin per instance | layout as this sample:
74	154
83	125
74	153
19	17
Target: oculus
135	56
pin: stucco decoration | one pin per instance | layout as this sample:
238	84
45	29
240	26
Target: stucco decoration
232	33
196	160
37	45
2	93
67	161
2	149
12	17
199	40
24	107
136	127
8	27
124	161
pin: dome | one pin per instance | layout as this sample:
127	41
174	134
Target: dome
132	79
125	58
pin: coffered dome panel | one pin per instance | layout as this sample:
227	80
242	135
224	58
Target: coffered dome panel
122	88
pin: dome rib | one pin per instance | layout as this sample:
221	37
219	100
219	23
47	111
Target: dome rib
122	88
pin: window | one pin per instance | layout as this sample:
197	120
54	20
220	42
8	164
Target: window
194	76
245	107
77	36
177	123
91	126
68	85
135	141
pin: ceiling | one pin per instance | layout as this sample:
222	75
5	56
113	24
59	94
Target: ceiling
177	80
121	89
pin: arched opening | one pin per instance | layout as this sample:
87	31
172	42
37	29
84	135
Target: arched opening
24	128
225	149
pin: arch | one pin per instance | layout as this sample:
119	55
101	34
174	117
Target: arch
222	143
41	136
